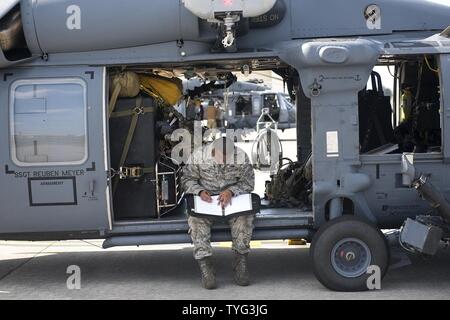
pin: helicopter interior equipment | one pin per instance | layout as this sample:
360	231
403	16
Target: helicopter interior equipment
244	109
267	149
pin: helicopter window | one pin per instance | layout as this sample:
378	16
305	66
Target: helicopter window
48	122
403	117
244	106
271	103
419	127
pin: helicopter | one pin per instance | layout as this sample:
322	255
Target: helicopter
85	119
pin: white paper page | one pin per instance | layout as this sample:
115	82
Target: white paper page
203	207
240	203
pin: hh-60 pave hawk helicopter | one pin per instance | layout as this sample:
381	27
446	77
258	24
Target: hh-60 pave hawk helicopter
84	119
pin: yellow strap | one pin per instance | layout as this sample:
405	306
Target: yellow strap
127	113
129	139
429	66
114	97
149	170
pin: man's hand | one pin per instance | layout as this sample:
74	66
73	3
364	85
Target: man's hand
205	196
225	198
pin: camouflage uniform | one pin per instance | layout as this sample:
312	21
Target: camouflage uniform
215	178
200	230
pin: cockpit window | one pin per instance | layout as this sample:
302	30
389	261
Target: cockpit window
48	122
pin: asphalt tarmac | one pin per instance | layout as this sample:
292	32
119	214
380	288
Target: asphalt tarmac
38	270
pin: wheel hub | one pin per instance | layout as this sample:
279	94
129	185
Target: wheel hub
351	257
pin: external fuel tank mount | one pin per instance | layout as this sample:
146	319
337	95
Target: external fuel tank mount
41	27
59	26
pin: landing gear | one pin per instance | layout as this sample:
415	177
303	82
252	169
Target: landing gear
343	250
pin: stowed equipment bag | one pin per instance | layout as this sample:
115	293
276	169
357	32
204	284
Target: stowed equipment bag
133	150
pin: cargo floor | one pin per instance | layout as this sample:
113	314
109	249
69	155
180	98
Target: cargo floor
270	224
177	222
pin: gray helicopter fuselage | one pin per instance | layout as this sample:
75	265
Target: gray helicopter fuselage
70	46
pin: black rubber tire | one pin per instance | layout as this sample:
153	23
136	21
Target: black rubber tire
333	232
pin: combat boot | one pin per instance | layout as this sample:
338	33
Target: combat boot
208	274
241	274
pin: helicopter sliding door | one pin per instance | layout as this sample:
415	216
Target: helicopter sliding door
445	105
53	157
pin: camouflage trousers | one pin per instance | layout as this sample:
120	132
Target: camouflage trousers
200	231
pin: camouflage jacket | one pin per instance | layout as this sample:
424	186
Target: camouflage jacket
207	175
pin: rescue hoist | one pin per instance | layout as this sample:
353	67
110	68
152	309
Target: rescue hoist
227	13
